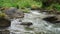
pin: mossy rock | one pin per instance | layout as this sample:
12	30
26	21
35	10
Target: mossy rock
4	22
34	7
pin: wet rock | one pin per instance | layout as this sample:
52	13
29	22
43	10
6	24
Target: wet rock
14	12
51	19
56	21
26	23
4	22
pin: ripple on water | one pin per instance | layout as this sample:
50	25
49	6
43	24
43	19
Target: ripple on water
39	26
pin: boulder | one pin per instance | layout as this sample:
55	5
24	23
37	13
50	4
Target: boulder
26	23
4	22
18	14
10	11
14	12
51	19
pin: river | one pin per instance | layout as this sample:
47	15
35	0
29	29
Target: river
39	26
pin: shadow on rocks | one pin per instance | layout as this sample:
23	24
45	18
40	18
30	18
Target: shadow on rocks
51	19
26	23
4	22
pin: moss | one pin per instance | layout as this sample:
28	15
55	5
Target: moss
2	15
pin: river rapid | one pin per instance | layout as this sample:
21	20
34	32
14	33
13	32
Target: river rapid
39	26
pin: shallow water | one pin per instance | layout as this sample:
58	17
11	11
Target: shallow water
39	26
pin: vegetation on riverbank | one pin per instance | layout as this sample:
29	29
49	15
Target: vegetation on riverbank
32	4
20	3
49	4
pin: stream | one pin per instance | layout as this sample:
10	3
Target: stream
39	26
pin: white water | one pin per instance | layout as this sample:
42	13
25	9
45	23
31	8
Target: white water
39	26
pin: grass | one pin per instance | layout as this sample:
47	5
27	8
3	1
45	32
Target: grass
21	3
27	4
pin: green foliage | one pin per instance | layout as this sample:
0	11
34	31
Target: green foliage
53	4
21	3
57	6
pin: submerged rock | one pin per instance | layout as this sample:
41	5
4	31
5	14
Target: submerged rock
51	19
26	23
4	22
56	21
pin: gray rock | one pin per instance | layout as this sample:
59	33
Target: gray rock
14	13
26	23
10	11
18	14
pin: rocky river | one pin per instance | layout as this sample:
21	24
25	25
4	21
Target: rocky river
39	26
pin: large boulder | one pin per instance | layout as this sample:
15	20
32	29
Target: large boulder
14	12
58	16
18	14
4	22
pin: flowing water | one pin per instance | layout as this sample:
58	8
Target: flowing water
39	26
